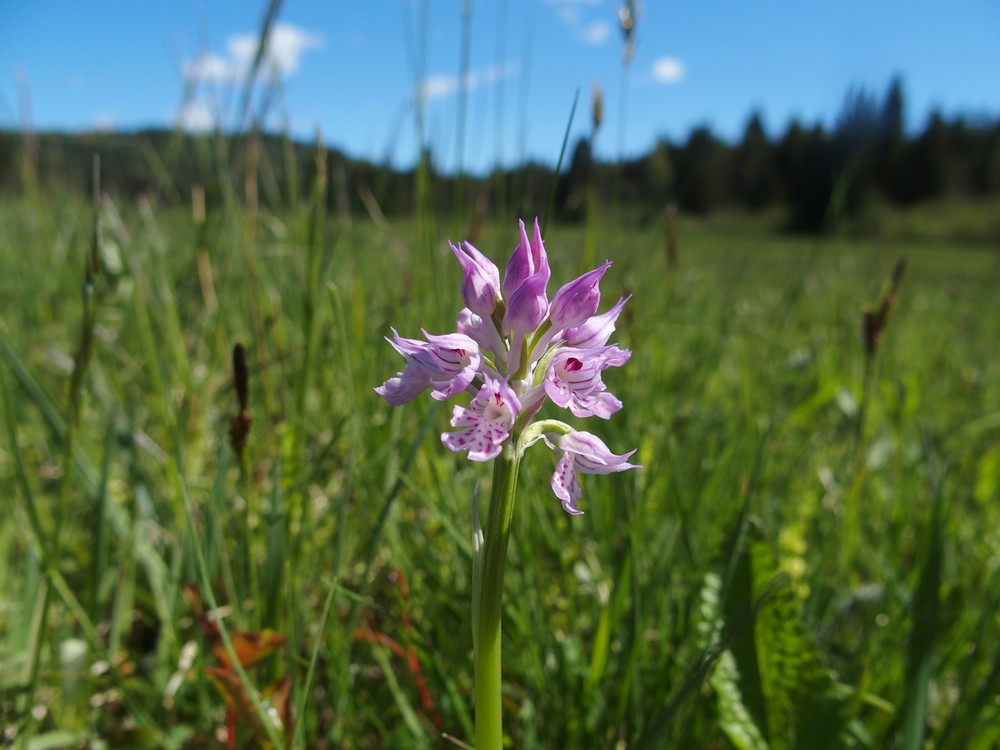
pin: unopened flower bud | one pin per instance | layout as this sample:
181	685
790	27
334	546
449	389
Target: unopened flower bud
577	300
481	284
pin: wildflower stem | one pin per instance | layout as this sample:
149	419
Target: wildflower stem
489	723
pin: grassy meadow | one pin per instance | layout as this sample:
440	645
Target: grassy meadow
809	558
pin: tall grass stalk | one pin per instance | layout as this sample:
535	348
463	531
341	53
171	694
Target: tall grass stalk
874	323
81	359
627	18
205	580
271	13
315	243
393	487
592	205
461	111
51	541
559	162
618	183
500	182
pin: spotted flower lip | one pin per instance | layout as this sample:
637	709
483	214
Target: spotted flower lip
585	453
513	351
486	424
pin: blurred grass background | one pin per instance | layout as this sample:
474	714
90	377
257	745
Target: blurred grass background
743	398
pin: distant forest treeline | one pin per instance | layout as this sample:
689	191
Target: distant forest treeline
819	176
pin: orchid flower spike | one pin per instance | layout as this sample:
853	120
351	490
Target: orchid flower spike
513	351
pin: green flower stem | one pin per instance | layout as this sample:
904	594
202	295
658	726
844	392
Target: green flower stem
489	720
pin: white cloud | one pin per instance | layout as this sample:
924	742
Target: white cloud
210	68
282	57
573	13
285	48
195	116
440	86
668	70
436	87
494	73
596	33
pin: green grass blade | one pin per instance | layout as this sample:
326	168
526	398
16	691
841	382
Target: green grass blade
305	689
923	634
103	501
562	155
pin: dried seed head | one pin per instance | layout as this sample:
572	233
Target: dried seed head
869	330
874	322
241	376
596	106
239	425
626	19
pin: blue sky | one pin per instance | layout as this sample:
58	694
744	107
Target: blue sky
353	69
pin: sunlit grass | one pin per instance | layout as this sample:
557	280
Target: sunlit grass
742	395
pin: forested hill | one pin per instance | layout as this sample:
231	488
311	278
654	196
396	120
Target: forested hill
810	171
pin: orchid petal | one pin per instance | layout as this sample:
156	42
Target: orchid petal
577	300
481	282
448	363
573	380
596	330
